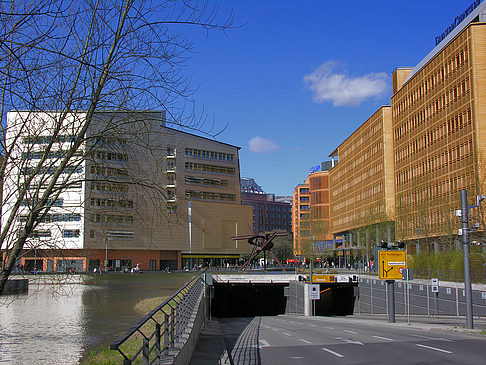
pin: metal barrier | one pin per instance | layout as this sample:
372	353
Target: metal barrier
164	328
448	300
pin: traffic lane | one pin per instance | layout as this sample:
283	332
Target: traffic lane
306	340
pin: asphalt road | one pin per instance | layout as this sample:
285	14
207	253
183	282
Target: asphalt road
343	340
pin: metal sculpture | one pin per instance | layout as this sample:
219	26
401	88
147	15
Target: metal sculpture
260	243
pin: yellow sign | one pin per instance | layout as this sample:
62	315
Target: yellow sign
322	278
392	263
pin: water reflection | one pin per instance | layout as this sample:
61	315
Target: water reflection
56	324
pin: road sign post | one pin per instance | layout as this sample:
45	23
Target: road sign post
392	264
435	289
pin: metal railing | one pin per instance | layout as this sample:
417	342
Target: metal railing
164	328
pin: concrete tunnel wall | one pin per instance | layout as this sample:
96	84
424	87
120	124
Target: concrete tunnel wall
268	299
248	299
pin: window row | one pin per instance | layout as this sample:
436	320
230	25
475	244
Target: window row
49	170
37	155
57	217
108	171
209	195
194	180
111	156
45	233
192	166
112	218
212	155
110	141
50	203
109	186
112	203
62	138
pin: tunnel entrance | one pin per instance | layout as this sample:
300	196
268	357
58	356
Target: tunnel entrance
248	299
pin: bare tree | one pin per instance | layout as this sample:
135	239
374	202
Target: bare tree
61	63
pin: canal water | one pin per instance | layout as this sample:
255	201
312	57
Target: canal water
58	324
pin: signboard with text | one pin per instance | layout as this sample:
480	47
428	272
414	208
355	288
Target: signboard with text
314	292
392	264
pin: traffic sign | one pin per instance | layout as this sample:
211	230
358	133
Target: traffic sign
435	285
392	263
314	292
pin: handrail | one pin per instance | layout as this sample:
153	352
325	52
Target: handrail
174	313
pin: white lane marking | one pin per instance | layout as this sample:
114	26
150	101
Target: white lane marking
296	358
434	338
383	338
349	341
287	334
353	342
275	329
301	339
348	331
302	324
434	348
332	352
264	343
329	328
313	325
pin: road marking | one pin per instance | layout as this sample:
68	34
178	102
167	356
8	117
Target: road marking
264	343
353	342
348	331
313	325
332	352
287	334
301	339
276	330
383	338
434	348
329	328
302	324
434	338
296	357
349	341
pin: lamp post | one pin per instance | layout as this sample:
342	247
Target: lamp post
106	254
464	214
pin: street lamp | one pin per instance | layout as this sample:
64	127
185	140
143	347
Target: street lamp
464	214
106	253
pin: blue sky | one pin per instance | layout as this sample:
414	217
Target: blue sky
299	76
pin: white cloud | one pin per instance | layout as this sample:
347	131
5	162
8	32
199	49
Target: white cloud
328	84
262	145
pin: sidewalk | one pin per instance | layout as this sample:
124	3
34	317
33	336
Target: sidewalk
210	347
448	323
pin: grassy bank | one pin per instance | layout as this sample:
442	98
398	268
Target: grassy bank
141	286
105	356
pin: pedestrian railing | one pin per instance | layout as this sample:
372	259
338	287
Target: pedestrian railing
164	329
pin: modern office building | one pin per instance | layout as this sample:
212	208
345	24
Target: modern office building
136	192
362	184
269	214
301	218
320	227
399	175
439	130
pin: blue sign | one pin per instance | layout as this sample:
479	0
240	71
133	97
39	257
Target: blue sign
457	21
315	168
